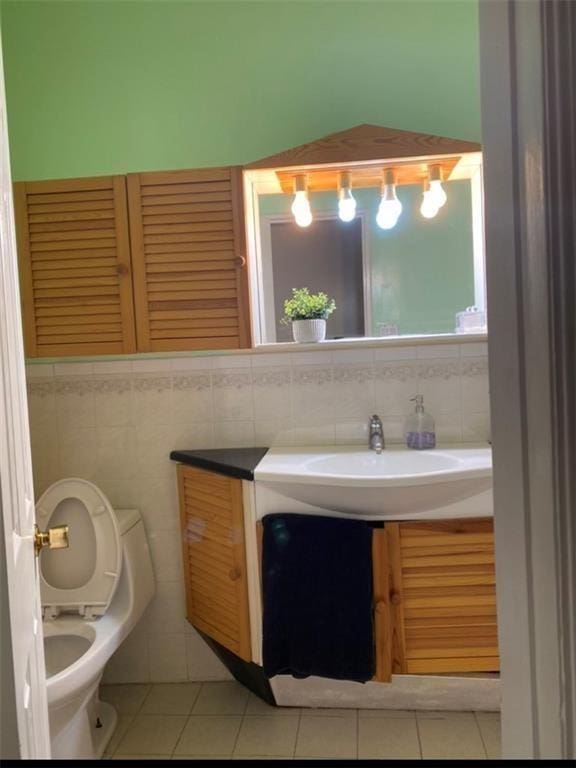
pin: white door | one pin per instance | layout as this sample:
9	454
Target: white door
16	487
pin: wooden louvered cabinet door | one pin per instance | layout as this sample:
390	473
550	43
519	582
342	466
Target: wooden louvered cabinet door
442	581
212	524
75	266
188	252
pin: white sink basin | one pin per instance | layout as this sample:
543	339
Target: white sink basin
454	481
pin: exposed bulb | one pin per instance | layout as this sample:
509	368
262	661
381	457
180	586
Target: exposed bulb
301	209
437	193
346	205
429	207
389	209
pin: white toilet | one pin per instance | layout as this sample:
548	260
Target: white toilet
93	594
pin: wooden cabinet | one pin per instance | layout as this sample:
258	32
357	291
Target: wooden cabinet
212	524
435	598
75	267
189	256
165	271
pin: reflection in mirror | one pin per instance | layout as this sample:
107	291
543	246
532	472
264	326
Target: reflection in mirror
415	276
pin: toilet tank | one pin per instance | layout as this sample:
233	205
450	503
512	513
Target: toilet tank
136	586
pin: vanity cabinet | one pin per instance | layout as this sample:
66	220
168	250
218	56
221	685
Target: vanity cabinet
214	557
435	598
152	262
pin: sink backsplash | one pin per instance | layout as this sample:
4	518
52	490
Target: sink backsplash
115	423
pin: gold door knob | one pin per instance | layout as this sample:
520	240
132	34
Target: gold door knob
53	538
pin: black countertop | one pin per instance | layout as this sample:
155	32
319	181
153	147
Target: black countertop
234	462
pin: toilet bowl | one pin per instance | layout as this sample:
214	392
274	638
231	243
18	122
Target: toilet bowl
93	594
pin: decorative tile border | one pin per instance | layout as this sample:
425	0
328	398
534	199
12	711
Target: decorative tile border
196	382
74	386
236	379
142	383
39	388
474	367
311	375
112	386
438	370
271	378
402	372
353	374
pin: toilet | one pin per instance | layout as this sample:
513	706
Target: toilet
93	594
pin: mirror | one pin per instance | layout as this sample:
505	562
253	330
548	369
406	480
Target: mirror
416	277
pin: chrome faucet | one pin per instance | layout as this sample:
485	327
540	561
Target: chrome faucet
376	434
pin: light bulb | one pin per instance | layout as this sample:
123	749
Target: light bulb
437	193
346	205
389	209
301	209
429	207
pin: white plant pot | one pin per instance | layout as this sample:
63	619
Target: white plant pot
306	331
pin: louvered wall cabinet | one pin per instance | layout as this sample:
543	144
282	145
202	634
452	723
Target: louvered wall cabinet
212	526
188	251
75	267
435	598
152	262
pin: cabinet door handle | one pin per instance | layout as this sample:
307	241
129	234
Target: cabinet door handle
395	598
381	607
235	574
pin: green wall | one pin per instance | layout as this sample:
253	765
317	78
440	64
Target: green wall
105	87
422	270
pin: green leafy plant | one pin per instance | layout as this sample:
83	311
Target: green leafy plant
307	306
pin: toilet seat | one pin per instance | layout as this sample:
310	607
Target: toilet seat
83	578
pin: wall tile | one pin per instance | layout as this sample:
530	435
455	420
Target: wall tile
75	402
271	393
234	434
152	399
39	371
232	361
113	401
166	551
192	397
314	357
232	394
167	655
202	663
312	395
166	613
353	391
394	385
185	364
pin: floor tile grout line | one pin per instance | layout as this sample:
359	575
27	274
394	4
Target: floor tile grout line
357	734
297	734
481	736
418	735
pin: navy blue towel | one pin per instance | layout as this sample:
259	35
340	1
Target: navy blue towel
317	585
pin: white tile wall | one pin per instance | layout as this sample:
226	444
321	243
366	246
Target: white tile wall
116	422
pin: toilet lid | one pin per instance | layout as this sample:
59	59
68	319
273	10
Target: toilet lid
83	577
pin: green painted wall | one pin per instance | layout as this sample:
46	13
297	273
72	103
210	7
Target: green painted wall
422	270
104	87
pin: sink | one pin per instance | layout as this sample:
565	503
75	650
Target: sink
389	465
452	481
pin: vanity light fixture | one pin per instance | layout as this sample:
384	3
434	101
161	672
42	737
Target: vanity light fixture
301	204
429	207
346	200
390	207
437	191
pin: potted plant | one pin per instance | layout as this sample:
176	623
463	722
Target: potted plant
308	312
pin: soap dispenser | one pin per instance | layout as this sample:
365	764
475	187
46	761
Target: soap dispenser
420	430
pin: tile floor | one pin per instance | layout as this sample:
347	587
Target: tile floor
224	720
